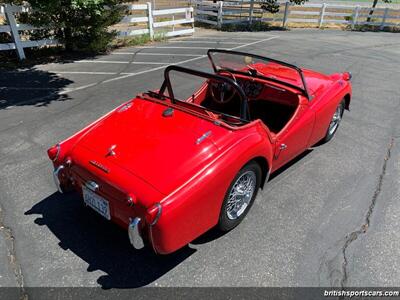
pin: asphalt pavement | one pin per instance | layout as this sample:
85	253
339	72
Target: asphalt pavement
329	219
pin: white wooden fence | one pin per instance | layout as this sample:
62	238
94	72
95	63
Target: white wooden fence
143	17
247	11
14	29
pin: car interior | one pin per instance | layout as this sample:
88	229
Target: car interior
235	97
273	105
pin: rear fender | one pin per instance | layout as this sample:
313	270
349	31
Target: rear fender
326	105
194	208
67	145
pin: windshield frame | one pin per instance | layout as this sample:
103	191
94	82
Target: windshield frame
244	108
304	90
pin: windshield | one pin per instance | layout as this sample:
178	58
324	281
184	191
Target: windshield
259	66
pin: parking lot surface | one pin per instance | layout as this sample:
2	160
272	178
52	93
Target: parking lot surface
329	219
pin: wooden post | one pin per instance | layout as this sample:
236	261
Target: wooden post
150	20
189	14
321	15
220	11
251	12
384	18
9	12
286	14
355	16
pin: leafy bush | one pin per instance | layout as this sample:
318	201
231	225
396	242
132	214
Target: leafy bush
256	26
272	6
82	25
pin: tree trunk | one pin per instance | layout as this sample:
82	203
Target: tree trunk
68	39
372	11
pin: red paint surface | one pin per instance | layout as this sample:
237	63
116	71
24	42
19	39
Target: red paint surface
158	159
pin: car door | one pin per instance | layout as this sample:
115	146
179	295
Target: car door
294	139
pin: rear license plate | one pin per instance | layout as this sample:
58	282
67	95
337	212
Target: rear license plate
96	202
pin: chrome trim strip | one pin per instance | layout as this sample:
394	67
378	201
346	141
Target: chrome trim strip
158	214
58	152
124	107
134	235
100	166
203	137
56	179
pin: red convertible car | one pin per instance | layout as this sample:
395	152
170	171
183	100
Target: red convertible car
170	164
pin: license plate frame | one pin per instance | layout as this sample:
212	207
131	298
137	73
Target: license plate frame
96	202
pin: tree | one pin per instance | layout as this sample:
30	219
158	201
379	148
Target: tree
82	25
273	6
373	6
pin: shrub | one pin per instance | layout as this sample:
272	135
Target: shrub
82	25
272	6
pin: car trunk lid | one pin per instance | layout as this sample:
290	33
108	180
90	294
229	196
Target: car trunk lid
163	150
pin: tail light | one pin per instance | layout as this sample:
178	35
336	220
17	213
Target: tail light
54	152
347	76
153	214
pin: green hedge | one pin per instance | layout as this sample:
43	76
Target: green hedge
81	25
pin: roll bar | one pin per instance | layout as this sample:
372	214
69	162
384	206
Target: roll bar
244	107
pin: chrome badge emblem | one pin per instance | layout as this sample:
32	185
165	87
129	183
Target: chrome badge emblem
99	165
111	151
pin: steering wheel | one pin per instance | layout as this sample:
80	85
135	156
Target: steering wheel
222	92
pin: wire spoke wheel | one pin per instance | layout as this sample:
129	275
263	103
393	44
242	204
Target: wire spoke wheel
240	195
335	122
337	117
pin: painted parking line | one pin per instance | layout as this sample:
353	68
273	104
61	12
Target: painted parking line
219	38
120	62
163	66
256	42
188	60
208	42
154	54
154	69
89	73
176	47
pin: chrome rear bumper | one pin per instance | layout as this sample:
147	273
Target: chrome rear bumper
134	235
56	179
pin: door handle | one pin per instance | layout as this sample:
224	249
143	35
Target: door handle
281	147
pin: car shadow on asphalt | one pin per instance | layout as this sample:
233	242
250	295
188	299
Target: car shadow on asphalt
31	87
214	233
290	164
101	244
104	246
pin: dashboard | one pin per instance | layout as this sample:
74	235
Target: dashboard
252	89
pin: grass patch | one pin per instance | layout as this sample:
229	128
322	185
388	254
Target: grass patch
138	40
242	27
256	26
375	28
